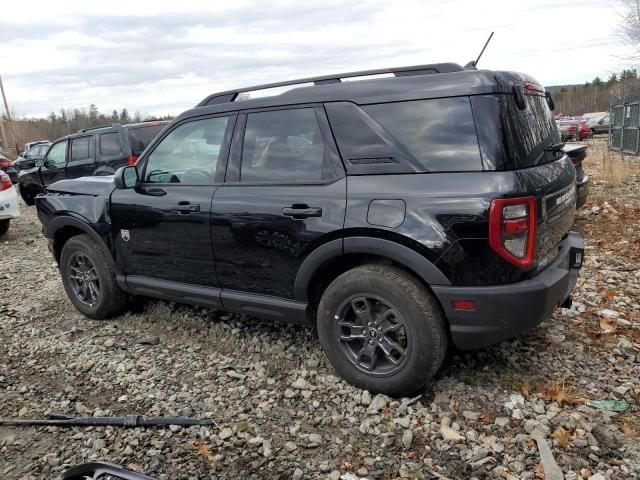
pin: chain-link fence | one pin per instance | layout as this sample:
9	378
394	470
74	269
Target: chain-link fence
624	110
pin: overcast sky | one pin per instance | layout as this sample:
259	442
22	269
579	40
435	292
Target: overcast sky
163	57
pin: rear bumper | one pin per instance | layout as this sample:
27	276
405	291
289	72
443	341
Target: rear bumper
582	191
504	311
9	207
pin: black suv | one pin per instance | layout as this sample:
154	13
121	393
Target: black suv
397	215
91	151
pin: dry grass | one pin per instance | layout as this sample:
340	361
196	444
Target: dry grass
611	168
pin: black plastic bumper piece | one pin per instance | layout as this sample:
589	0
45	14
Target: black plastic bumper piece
504	311
582	191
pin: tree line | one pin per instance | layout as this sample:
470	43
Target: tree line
67	121
594	96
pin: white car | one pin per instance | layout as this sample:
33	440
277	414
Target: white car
9	207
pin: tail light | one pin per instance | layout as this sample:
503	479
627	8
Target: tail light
512	229
5	181
132	159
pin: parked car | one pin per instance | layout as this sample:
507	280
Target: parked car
8	167
577	153
573	129
91	151
600	125
29	145
428	209
9	207
28	159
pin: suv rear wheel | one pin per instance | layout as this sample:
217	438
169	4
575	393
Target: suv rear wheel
28	196
4	226
382	330
89	279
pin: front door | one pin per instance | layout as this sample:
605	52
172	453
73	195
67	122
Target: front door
162	228
54	164
284	194
82	161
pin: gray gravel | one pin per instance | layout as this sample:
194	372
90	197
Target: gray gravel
280	409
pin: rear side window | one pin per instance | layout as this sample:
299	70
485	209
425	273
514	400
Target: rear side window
142	136
439	133
81	149
282	146
110	144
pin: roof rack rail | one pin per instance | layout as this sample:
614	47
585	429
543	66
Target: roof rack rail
82	130
231	95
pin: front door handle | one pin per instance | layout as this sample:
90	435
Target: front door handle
185	208
302	211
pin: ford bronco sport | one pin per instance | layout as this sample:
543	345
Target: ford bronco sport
398	215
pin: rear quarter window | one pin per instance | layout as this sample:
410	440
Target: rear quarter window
110	144
141	137
438	133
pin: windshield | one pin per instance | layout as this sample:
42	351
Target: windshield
142	136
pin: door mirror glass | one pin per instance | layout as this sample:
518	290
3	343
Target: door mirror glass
126	177
39	162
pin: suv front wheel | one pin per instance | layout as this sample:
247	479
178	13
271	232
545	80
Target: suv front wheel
382	330
89	279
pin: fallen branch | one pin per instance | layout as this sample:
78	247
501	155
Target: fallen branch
126	421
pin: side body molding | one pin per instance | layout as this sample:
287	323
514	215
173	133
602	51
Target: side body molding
366	245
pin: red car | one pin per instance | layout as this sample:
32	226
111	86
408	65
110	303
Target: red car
7	167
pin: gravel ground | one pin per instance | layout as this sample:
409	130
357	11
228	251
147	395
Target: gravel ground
281	411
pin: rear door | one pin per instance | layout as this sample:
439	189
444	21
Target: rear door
161	230
284	194
82	157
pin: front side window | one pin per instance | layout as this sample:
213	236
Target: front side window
189	154
110	144
282	146
58	154
81	149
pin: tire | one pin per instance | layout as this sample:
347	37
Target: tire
4	226
423	336
110	300
27	196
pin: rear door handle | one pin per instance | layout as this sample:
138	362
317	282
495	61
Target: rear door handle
185	207
302	211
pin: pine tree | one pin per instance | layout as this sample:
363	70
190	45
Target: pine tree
93	115
124	116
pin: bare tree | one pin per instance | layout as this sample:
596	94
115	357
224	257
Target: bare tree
630	26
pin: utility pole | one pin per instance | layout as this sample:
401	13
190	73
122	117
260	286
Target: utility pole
3	135
9	119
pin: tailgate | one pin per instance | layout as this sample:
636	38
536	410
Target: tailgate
553	185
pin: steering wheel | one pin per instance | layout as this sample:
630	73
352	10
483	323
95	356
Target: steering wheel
196	176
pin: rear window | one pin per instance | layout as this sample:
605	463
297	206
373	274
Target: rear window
530	131
439	133
142	136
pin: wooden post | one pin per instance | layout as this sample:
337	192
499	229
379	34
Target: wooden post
9	119
3	135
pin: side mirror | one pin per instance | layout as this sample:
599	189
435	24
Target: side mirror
126	177
40	162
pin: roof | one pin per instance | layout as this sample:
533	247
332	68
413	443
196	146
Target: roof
408	83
